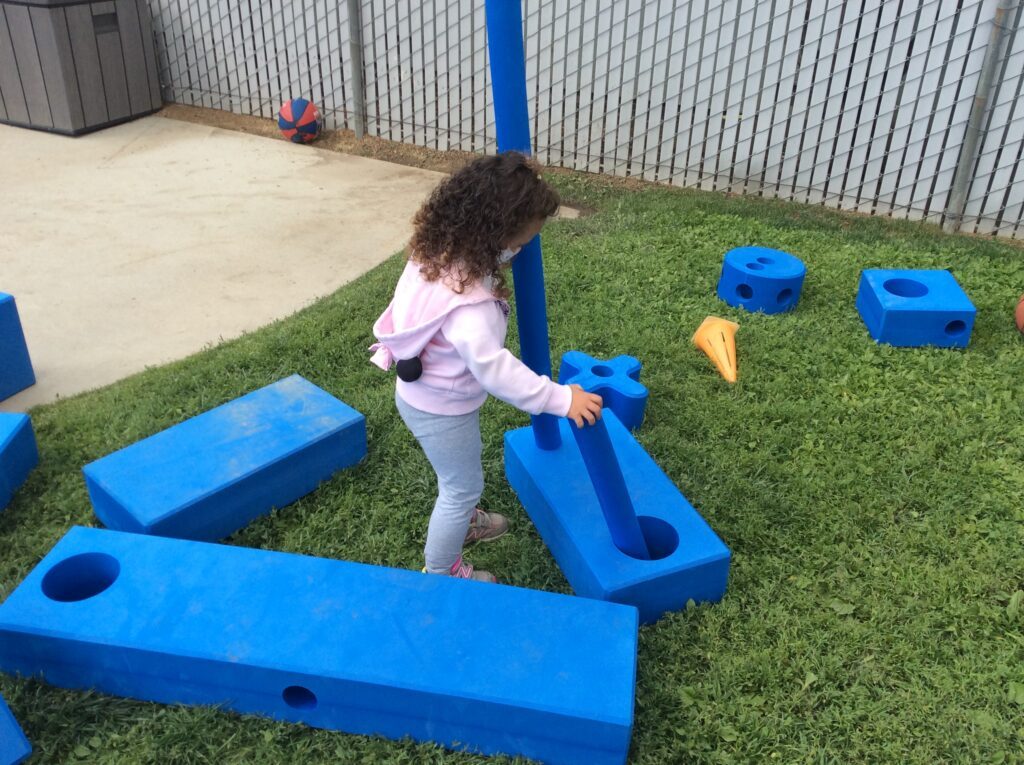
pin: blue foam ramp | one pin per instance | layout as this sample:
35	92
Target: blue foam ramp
332	644
688	558
214	473
617	381
909	308
761	279
15	365
14	747
18	453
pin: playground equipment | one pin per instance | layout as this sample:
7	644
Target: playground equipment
14	747
18	454
911	308
299	121
16	370
617	381
210	475
332	644
717	338
653	551
761	279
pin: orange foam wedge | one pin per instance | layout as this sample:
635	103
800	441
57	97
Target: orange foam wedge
717	338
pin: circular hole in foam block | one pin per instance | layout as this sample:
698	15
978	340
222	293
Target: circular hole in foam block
80	577
603	371
767	261
661	537
298	697
907	288
955	328
784	296
744	291
755	266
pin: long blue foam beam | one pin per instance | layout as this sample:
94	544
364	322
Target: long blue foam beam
214	473
332	644
512	124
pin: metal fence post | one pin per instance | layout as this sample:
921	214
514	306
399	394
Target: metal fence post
355	41
995	51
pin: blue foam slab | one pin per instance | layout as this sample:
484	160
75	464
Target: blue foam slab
16	368
690	561
14	747
328	643
211	475
617	381
761	279
18	454
910	308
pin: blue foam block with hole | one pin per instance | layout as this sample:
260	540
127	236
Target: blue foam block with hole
690	561
15	365
328	643
18	453
909	308
214	473
617	381
14	747
761	279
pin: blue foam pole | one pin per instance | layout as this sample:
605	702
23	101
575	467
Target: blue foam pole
512	122
599	457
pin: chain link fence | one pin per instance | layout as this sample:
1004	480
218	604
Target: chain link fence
909	108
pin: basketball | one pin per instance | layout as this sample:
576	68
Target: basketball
299	121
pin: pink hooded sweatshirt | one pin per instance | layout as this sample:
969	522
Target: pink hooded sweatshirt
460	339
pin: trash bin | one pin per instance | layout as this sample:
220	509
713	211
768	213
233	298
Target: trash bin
71	67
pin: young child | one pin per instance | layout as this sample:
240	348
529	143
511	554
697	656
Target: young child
445	331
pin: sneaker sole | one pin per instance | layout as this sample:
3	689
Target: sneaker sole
485	539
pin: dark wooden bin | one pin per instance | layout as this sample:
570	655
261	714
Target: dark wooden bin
73	67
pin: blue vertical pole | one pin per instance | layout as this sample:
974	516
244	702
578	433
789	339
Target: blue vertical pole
512	120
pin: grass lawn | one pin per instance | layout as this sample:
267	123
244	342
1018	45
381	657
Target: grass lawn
872	497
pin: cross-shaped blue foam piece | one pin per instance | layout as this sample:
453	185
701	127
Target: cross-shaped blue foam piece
617	381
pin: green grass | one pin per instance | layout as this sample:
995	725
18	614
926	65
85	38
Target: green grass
872	497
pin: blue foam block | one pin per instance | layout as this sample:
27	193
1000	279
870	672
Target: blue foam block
689	560
16	368
14	747
18	454
332	644
211	475
617	381
914	307
761	279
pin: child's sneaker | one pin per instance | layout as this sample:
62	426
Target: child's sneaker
486	526
462	570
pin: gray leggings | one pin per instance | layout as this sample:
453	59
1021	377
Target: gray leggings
453	446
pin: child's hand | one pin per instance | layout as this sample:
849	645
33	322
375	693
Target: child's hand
584	406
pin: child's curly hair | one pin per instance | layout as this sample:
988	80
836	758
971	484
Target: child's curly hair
470	217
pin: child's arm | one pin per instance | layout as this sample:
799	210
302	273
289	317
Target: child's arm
475	331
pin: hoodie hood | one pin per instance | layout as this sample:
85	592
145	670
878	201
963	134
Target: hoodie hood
416	314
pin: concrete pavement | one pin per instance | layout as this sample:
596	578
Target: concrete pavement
143	243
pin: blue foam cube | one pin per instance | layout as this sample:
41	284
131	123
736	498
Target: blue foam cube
332	644
911	308
688	558
214	473
761	279
18	453
14	747
617	381
16	368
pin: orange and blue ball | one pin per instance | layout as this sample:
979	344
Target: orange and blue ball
299	121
